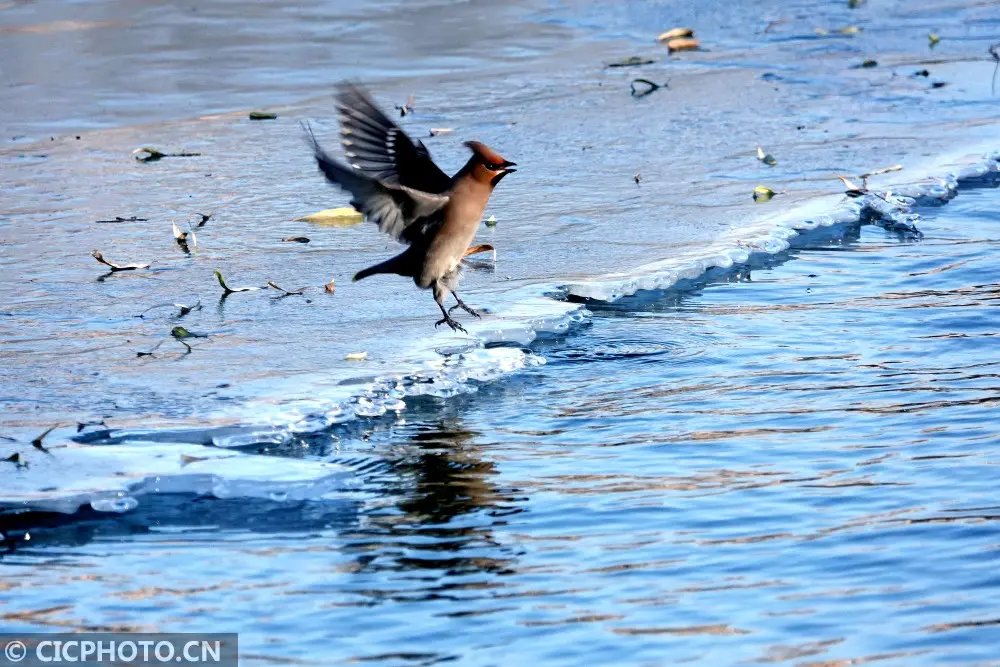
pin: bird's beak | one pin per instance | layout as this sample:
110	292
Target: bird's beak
507	166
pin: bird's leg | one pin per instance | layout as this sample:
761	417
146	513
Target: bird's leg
439	294
461	304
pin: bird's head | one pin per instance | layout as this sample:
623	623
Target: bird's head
487	165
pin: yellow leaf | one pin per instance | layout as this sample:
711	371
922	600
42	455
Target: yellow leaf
345	216
849	30
933	40
356	356
761	193
675	33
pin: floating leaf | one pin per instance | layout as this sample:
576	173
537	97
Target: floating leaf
766	158
187	460
184	310
295	239
344	216
15	458
820	31
183	238
675	45
923	73
150	154
854	4
227	290
263	115
938	84
675	33
491	221
868	64
637	178
406	108
37	442
330	287
180	333
852	189
645	87
356	356
994	51
118	218
286	292
762	194
440	130
774	24
117	267
849	30
631	61
932	40
879	172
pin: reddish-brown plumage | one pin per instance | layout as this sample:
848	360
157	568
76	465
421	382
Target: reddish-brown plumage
485	152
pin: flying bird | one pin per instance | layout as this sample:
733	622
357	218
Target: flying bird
395	183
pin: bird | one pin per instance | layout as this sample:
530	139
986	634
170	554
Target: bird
395	183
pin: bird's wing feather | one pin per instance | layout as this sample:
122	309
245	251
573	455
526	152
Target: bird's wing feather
403	213
378	147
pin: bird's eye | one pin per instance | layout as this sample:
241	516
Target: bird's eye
494	167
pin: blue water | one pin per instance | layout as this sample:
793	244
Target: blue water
791	462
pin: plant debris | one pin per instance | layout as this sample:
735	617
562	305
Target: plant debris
645	87
675	33
330	287
440	130
938	84
118	218
637	177
867	64
491	221
263	115
631	61
295	239
762	194
853	190
932	40
994	51
675	45
345	216
117	267
766	158
286	292
356	356
184	310
150	154
773	24
878	172
923	72
182	238
227	290
37	442
15	458
406	108
180	333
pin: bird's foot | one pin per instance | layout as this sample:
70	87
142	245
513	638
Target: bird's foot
470	311
455	326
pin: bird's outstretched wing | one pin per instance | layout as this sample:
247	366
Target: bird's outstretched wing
377	146
405	214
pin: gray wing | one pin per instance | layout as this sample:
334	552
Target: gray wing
403	213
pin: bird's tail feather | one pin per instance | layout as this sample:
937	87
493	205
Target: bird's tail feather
393	265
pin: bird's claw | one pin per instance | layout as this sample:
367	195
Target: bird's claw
455	326
470	311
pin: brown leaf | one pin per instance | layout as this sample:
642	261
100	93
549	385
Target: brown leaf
295	239
675	45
